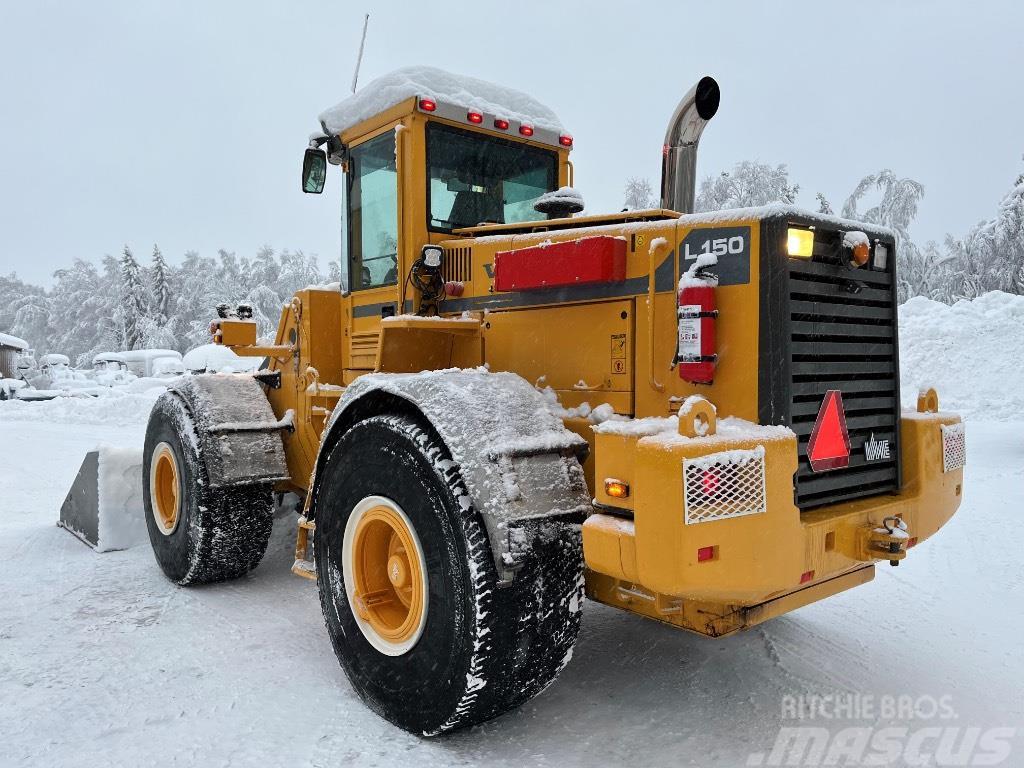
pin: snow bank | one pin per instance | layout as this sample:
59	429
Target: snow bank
431	83
122	522
971	352
112	409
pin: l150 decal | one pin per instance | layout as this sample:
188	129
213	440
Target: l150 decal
731	245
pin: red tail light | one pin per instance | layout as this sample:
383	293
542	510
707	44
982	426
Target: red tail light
565	140
912	542
705	553
474	117
807	576
428	105
526	130
501	125
709	482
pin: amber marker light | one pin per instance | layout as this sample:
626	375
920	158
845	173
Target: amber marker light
800	242
616	488
861	253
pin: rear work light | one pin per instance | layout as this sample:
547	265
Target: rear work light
800	242
501	125
474	117
428	105
526	130
565	140
881	261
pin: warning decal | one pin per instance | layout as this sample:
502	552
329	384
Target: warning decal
618	353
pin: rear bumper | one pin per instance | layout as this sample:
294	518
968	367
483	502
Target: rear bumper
755	554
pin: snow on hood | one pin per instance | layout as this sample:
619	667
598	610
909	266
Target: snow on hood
214	357
432	83
12	341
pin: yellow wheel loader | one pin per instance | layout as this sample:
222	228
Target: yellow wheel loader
506	406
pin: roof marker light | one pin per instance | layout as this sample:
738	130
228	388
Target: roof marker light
565	140
501	125
526	130
474	117
428	105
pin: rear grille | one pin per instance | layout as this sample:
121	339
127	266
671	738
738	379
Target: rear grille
458	265
843	336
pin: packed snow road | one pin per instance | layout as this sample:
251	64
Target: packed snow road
104	662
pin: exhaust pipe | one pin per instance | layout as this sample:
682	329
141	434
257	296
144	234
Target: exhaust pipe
679	155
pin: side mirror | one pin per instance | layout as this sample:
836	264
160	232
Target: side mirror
314	171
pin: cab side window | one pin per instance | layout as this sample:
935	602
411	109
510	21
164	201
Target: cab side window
373	214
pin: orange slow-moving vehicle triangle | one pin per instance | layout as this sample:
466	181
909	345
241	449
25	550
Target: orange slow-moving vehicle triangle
829	444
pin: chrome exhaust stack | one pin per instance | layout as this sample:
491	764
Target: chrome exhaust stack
679	155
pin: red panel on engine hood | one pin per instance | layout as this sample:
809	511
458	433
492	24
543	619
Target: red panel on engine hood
600	259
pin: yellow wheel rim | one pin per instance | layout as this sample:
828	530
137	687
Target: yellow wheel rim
385	575
164	489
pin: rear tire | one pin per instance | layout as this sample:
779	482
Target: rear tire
483	648
199	535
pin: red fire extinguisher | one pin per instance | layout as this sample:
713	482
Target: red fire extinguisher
696	353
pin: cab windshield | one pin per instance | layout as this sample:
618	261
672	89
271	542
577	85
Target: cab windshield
475	179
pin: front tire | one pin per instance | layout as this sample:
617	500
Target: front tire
199	534
482	648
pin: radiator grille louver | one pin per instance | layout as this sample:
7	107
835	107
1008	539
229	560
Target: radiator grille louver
843	336
458	265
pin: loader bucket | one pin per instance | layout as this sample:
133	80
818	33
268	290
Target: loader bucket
79	513
104	507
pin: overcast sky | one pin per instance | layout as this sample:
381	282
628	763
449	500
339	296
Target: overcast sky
183	123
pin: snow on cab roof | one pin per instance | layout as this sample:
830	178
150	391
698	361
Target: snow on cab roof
12	341
432	83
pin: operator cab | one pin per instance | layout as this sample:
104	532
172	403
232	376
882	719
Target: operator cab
421	162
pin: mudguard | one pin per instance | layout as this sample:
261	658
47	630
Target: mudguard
239	435
518	461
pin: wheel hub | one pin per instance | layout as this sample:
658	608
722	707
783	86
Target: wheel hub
385	575
164	489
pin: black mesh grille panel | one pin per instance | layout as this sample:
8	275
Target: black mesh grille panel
843	336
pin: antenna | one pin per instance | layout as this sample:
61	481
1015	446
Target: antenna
359	59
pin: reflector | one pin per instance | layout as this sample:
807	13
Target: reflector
829	444
705	553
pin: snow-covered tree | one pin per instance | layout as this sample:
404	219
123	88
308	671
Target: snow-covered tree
639	195
823	205
160	288
133	300
750	183
896	209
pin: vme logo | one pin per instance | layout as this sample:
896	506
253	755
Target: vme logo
875	450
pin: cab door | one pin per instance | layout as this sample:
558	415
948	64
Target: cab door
372	245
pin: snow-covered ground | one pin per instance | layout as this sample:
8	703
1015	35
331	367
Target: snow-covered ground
103	662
